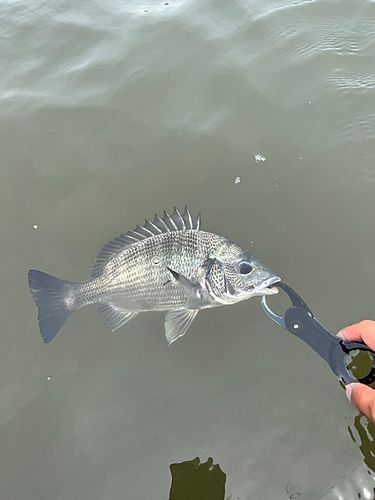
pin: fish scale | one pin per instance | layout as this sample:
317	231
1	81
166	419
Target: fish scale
169	264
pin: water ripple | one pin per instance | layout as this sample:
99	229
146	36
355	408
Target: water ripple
347	79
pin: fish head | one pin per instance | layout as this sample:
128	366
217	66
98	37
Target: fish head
238	275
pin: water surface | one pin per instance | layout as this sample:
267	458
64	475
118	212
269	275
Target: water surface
110	112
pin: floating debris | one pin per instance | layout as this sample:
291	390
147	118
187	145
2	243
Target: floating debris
35	226
237	180
259	158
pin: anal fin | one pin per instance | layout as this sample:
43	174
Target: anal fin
177	321
114	317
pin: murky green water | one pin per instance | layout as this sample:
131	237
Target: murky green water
112	111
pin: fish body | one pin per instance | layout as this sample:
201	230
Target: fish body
169	264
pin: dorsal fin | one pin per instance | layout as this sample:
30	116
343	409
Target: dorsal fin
166	224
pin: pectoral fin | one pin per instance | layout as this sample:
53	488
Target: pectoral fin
193	291
177	321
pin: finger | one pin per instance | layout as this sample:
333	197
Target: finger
360	332
363	398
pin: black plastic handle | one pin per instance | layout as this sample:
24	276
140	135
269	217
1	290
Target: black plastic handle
300	322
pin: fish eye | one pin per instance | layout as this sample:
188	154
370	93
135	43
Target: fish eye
245	267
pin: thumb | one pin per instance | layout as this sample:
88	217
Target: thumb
363	398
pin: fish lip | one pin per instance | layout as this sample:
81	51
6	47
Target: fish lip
266	288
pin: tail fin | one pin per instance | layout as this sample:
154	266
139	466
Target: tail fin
49	294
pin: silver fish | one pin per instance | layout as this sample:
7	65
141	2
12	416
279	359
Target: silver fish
168	264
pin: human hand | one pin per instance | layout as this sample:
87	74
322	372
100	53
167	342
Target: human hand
362	396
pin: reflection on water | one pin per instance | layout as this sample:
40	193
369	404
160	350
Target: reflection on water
360	364
366	434
194	480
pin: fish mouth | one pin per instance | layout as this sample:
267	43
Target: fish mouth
266	288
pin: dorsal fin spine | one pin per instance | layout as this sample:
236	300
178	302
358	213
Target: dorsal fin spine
177	214
173	222
134	234
156	228
187	218
148	223
176	222
142	231
132	237
168	220
197	222
162	222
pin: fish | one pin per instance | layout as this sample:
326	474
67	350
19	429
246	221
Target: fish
169	264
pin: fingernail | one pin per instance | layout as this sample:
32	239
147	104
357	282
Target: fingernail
342	335
349	390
